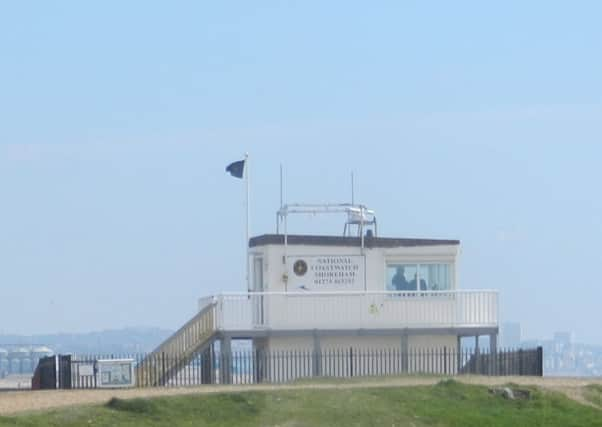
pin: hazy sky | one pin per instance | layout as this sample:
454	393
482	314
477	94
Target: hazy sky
467	120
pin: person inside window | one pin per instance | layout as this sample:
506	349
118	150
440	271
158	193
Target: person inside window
399	280
414	283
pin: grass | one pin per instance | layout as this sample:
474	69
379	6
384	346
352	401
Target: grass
593	393
447	404
361	379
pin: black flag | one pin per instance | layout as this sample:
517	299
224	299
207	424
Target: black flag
236	169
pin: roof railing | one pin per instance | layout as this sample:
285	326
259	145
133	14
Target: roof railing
357	215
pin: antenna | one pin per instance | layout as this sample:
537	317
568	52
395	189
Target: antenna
281	191
352	189
281	202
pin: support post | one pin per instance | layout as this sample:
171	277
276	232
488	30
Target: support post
493	353
226	361
259	356
404	353
477	355
493	343
247	234
459	354
539	361
317	357
207	366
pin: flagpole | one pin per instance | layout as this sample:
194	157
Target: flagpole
248	203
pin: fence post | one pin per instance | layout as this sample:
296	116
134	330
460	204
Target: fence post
540	361
317	357
255	367
405	350
350	361
458	360
445	361
163	369
520	362
64	372
498	364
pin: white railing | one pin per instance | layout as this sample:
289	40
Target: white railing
206	301
356	310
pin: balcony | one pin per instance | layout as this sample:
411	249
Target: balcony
279	311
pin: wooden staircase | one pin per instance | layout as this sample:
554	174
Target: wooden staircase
161	365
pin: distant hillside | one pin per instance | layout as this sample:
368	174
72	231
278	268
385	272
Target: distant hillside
128	340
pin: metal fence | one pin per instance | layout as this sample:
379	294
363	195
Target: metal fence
45	375
254	367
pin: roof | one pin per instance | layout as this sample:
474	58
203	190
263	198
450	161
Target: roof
370	242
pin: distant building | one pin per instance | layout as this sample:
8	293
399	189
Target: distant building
21	360
511	335
565	357
563	340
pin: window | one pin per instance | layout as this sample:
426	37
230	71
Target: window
257	274
418	277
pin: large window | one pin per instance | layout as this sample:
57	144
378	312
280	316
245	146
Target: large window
418	277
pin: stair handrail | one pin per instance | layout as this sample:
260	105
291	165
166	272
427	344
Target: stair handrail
211	306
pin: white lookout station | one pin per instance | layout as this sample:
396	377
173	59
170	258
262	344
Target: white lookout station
354	290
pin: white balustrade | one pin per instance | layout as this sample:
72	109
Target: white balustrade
206	301
357	310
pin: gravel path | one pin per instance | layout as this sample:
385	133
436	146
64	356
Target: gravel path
25	401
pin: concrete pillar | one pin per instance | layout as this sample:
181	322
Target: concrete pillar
493	360
260	365
405	351
459	354
317	357
477	355
493	343
208	365
226	360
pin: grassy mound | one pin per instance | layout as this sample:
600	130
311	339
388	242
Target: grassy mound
447	404
593	393
138	406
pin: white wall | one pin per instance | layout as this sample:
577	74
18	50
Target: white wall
355	311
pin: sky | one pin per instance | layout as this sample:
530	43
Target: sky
476	121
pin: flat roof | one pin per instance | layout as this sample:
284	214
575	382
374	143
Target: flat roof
369	242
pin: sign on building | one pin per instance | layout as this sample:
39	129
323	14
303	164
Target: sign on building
116	373
85	369
326	273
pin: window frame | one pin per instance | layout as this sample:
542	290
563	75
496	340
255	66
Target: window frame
417	265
